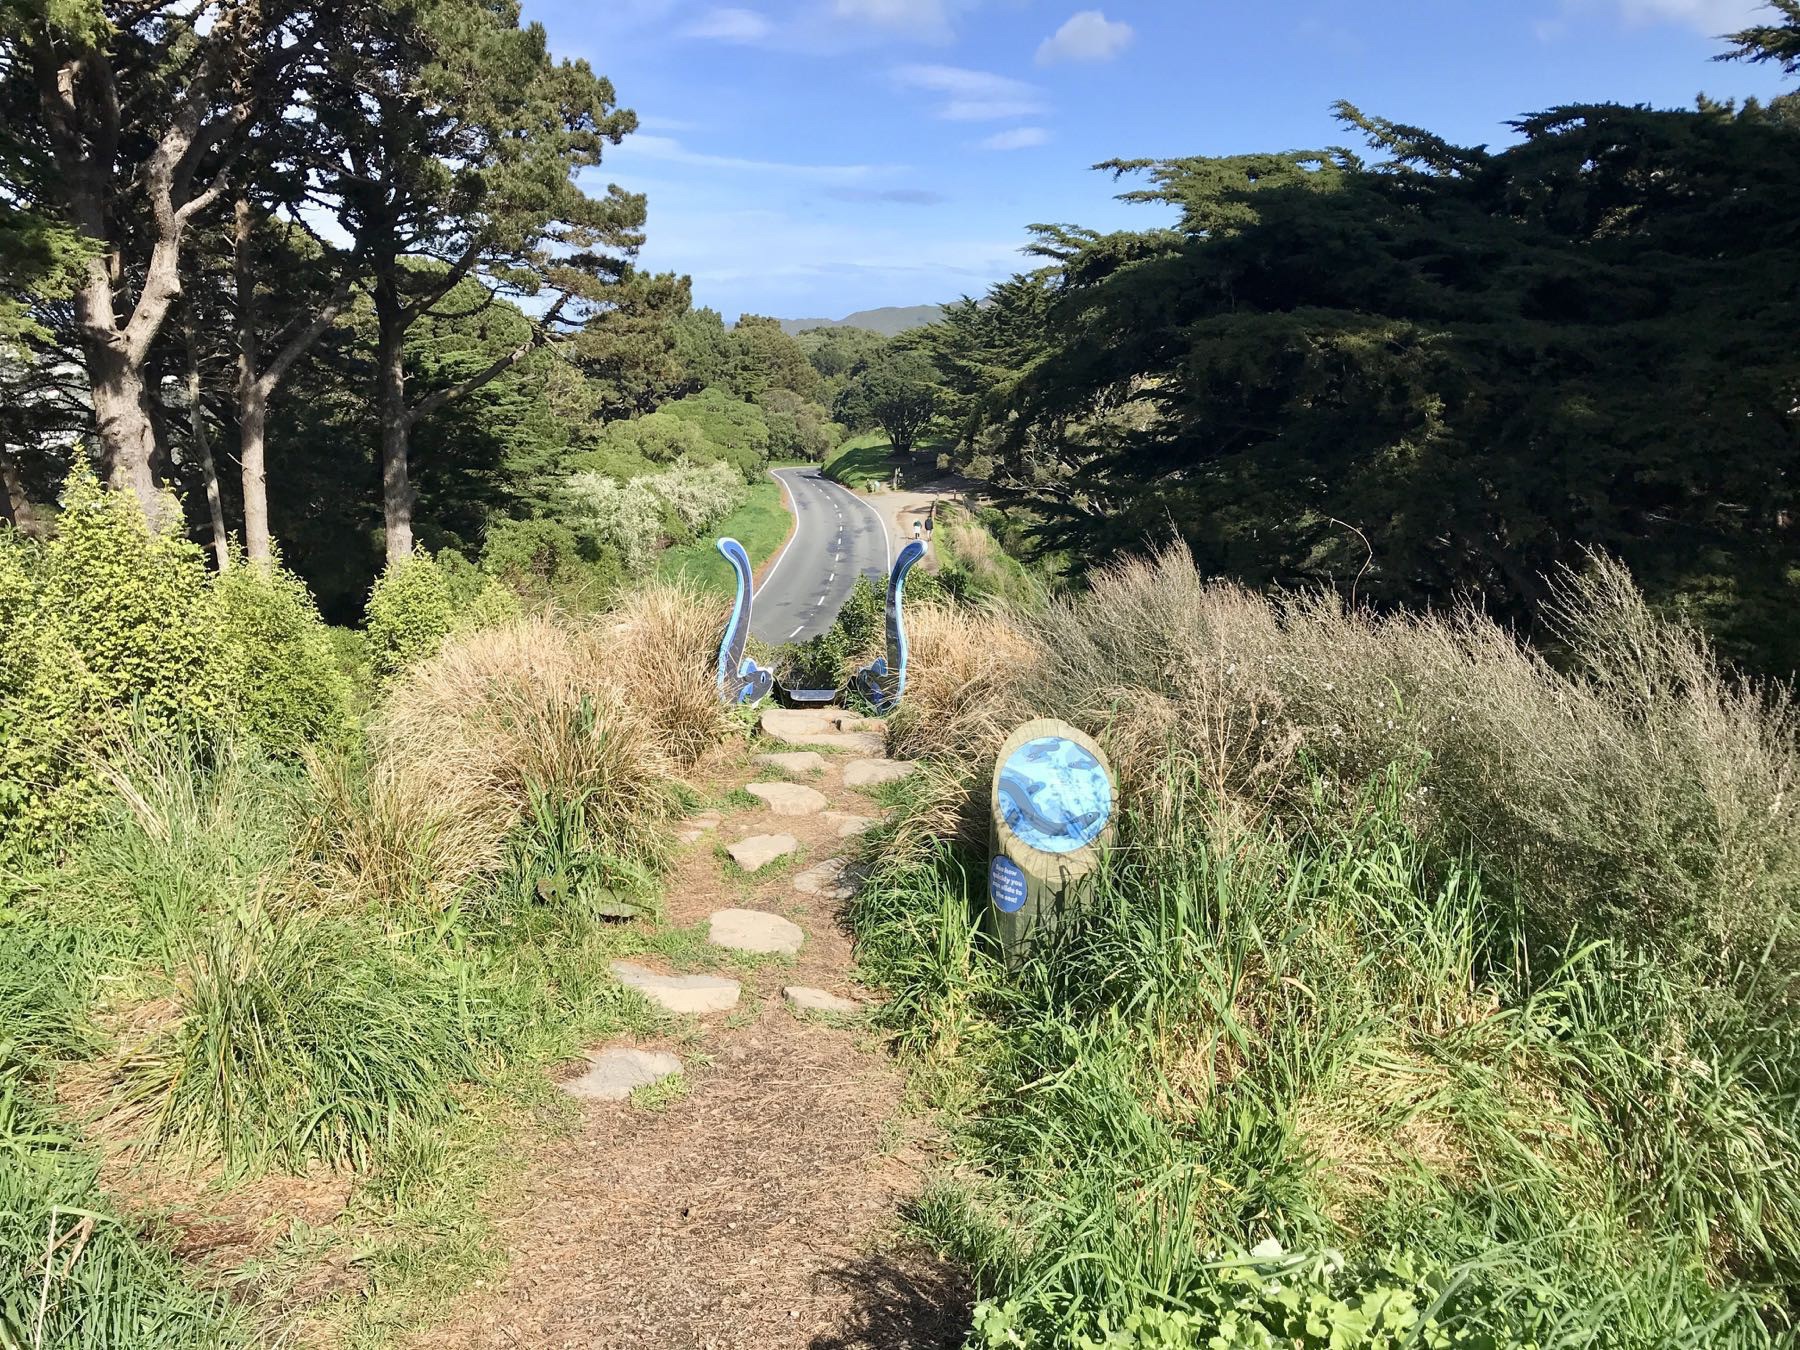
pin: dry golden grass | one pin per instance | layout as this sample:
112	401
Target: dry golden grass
531	707
1635	789
598	717
380	838
663	642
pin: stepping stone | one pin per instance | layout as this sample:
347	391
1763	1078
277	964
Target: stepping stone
798	762
797	724
751	930
612	1074
759	850
869	724
826	879
803	999
696	827
790	799
857	742
875	772
848	826
678	993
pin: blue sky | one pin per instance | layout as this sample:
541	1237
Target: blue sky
808	158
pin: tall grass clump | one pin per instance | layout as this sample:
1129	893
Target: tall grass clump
1431	973
72	1273
530	709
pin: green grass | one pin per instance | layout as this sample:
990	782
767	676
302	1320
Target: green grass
1316	1059
863	459
869	458
279	1031
73	1273
761	525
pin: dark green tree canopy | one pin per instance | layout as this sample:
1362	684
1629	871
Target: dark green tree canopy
897	391
1429	371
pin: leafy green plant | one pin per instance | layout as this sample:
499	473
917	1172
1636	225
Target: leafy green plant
293	691
72	1273
410	613
112	624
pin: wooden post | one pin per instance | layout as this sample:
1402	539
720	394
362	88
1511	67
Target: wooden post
1050	816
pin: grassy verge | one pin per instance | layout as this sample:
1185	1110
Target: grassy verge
1412	1007
351	969
761	525
863	459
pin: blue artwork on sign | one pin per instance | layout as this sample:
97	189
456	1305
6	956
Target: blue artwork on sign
884	681
741	680
1054	795
1006	885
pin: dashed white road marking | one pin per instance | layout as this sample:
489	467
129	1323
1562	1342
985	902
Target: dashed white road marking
796	631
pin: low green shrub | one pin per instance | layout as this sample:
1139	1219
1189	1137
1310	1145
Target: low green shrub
292	690
112	625
410	613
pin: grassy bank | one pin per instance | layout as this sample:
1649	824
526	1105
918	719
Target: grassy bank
1433	995
278	989
761	525
870	458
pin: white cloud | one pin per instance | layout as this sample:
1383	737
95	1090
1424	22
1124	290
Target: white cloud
928	18
974	95
730	24
670	150
1018	138
1087	36
1711	17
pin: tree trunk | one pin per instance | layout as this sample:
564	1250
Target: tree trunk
209	471
15	505
396	486
253	400
123	426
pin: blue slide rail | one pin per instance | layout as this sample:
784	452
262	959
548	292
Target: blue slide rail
741	680
883	683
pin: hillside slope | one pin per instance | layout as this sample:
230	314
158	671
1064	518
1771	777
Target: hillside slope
889	322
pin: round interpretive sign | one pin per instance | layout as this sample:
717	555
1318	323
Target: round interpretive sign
1006	885
1054	794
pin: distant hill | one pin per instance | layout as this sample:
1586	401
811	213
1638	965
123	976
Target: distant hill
888	322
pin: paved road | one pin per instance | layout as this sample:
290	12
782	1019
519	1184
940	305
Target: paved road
838	537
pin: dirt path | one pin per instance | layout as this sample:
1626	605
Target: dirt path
758	1207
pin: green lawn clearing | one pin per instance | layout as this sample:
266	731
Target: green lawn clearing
761	525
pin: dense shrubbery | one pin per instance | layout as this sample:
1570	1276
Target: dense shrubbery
1413	943
251	960
115	631
292	691
632	518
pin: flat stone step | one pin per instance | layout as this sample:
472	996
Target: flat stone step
679	993
789	799
855	742
848	826
802	998
753	930
696	828
826	879
788	724
759	850
794	762
613	1074
876	772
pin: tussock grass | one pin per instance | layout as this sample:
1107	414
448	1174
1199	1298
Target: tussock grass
72	1273
1420	955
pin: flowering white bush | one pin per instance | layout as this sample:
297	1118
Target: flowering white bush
631	516
627	516
699	494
